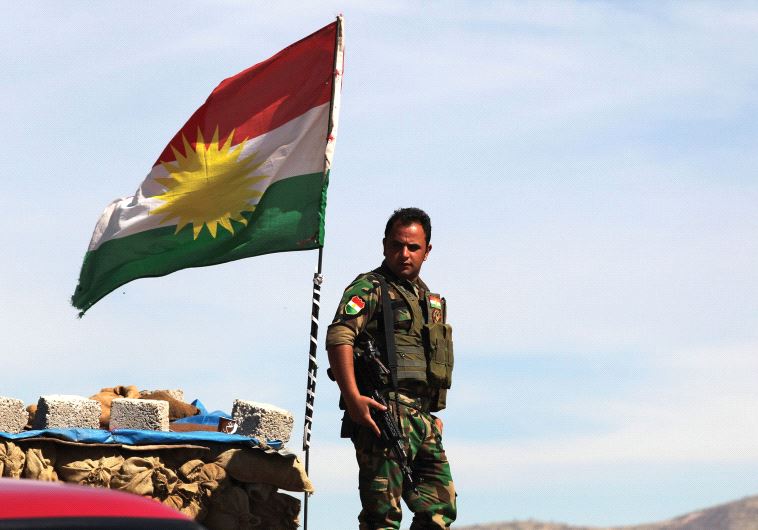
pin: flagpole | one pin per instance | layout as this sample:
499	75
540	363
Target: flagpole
312	365
312	369
317	277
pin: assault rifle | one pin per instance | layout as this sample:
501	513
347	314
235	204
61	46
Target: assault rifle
371	375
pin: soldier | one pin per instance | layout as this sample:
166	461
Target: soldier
418	349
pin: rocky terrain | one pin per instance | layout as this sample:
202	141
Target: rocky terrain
737	515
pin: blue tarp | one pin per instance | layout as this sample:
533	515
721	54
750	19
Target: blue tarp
138	437
204	417
212	418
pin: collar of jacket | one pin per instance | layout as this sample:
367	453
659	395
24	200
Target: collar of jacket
415	285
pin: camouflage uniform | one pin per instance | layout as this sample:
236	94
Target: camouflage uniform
380	480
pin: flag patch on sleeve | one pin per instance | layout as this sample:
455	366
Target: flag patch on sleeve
355	305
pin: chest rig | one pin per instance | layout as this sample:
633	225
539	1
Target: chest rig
413	334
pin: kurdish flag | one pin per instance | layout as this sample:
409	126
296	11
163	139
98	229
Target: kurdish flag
246	175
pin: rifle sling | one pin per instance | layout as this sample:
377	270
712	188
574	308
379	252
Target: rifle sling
389	330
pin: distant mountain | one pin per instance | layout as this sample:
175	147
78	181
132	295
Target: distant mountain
738	515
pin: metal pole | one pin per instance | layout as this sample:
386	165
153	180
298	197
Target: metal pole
312	369
317	278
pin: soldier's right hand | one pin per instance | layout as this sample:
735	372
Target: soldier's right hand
359	410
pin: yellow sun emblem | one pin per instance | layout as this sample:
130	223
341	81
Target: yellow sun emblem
208	185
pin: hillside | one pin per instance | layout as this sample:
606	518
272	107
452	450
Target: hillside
737	515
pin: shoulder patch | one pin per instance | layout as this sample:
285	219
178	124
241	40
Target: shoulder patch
435	302
355	305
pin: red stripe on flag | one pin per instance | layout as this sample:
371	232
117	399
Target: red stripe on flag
267	95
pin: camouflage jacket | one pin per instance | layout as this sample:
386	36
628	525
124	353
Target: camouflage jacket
360	309
361	301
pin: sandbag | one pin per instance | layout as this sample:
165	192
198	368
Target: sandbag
92	472
251	465
31	410
40	463
230	510
172	457
176	409
187	499
107	395
278	512
259	492
145	476
208	478
197	470
12	460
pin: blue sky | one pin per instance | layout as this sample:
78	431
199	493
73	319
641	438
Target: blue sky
590	169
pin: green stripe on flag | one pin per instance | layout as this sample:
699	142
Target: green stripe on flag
289	216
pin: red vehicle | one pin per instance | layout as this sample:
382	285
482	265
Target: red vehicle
35	504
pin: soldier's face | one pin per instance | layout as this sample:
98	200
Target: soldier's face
405	250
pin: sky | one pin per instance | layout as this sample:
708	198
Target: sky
590	169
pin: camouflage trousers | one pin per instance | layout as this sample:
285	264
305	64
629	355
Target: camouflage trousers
380	480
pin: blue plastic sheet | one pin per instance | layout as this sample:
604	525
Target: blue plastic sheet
139	437
204	417
212	418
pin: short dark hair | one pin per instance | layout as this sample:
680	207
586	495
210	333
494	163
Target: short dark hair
407	216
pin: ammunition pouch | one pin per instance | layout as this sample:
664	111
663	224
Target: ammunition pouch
439	401
440	351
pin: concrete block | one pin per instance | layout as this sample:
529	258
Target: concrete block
262	421
13	415
143	414
177	393
66	412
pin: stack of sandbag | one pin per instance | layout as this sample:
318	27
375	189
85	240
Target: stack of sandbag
221	486
176	408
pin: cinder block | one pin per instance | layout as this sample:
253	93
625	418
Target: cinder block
13	415
142	414
263	421
177	393
66	412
